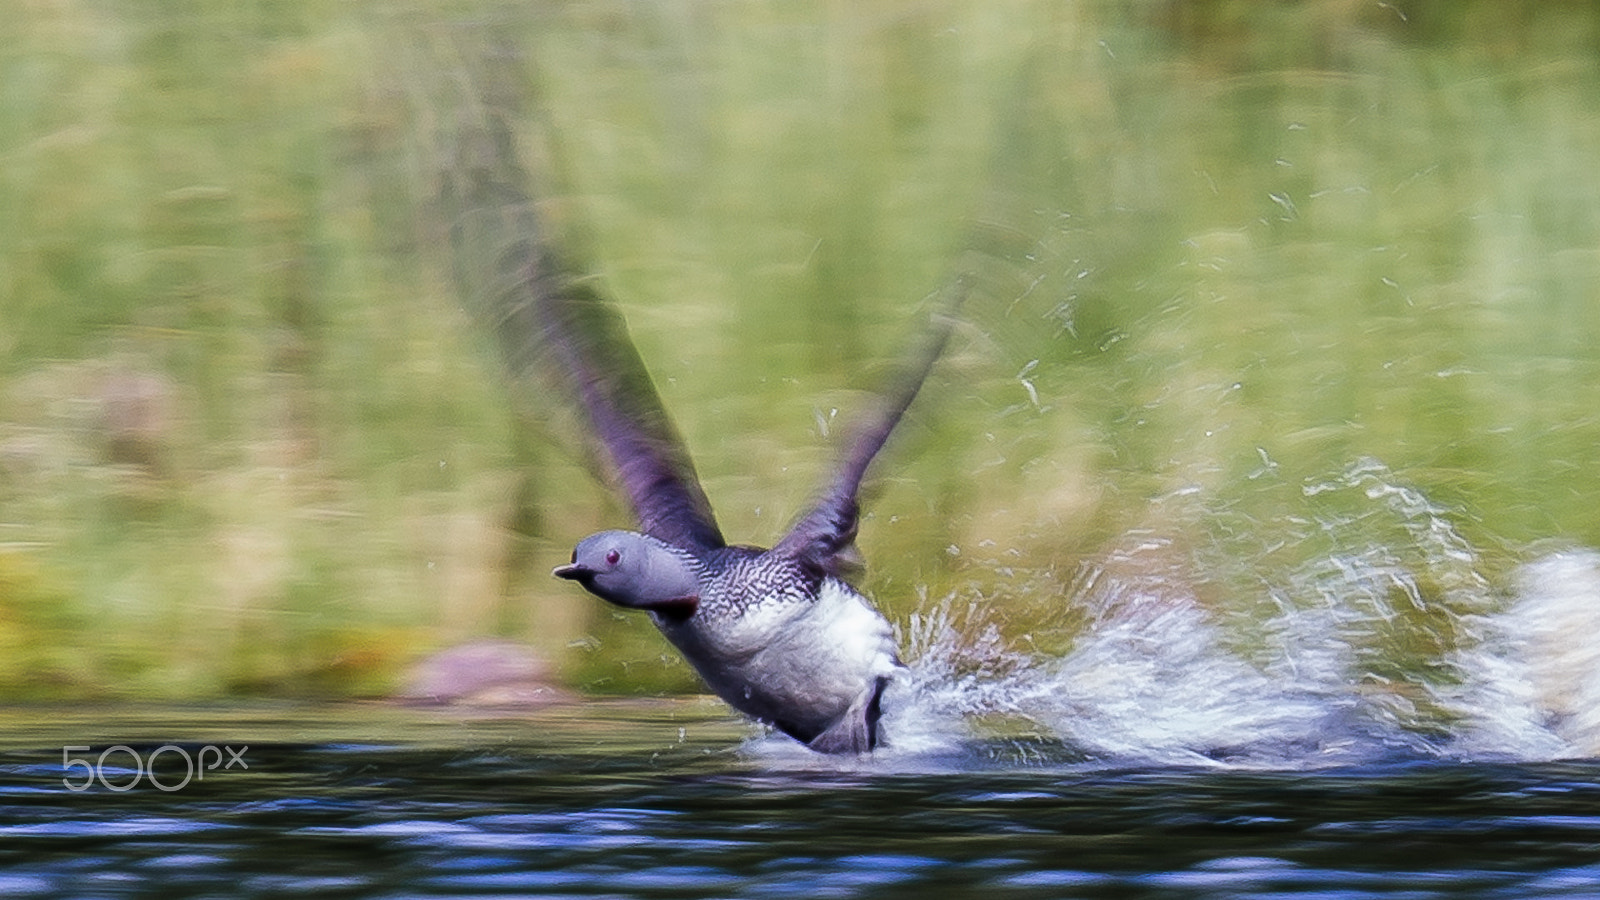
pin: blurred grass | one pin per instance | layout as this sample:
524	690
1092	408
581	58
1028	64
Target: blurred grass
251	442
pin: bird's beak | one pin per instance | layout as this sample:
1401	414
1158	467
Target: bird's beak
571	571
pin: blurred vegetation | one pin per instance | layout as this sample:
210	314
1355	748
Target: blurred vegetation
251	440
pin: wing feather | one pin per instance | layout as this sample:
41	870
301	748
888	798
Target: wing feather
821	540
550	321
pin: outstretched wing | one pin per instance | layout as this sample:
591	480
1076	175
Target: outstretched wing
821	539
550	321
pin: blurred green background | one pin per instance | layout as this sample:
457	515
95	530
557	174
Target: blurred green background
251	441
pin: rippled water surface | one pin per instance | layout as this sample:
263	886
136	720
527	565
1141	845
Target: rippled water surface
672	799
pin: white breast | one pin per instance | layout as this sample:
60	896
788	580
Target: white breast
798	662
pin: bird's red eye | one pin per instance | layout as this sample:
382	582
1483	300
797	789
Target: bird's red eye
612	556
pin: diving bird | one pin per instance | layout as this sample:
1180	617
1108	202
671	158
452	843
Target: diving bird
780	634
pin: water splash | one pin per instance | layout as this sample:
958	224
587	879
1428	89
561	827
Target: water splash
1389	642
1151	680
1539	663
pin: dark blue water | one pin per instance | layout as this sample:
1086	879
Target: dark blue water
675	802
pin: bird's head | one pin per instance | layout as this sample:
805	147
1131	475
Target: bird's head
636	571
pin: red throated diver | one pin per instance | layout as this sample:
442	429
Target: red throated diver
779	634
